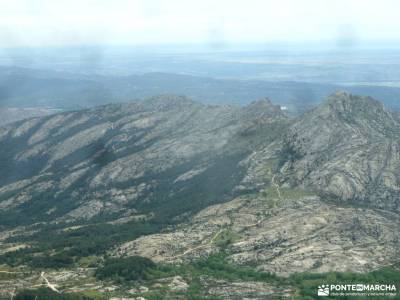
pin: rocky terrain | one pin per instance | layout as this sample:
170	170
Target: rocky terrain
348	148
9	115
177	181
298	234
117	157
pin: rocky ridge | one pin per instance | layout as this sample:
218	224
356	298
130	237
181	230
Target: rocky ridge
316	193
115	158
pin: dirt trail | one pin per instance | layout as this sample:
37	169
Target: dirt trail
200	246
9	272
48	284
277	187
211	241
221	230
278	190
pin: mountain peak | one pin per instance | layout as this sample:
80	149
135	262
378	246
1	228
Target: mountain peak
360	111
262	108
343	101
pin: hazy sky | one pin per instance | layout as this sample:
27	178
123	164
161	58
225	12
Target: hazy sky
75	22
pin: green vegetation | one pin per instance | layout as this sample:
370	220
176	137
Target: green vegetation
67	248
128	269
306	284
289	193
54	247
89	261
124	270
46	294
6	273
270	192
257	134
93	295
288	153
272	197
270	168
57	261
216	266
225	238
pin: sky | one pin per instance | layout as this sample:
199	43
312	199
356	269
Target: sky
214	22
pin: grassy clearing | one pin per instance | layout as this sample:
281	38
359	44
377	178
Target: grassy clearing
94	295
226	238
272	197
270	168
293	193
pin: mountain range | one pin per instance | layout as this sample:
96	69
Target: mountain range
177	181
25	87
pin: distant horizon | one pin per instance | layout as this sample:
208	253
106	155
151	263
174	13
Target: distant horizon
215	24
228	47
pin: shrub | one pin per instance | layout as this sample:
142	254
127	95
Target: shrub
131	268
46	294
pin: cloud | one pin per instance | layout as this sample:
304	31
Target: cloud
65	22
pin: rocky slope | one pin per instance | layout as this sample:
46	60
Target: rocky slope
317	193
9	115
295	216
120	159
348	148
299	233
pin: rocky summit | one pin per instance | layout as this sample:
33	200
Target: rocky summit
347	148
180	182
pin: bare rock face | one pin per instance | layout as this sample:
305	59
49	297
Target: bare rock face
163	147
299	234
348	149
245	290
178	284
